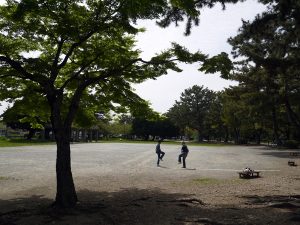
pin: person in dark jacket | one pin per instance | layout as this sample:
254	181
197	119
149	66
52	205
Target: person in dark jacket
159	152
183	155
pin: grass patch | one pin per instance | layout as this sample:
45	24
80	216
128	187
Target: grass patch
22	142
206	181
168	142
208	144
212	181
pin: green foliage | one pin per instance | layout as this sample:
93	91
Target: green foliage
269	71
160	127
80	57
219	63
193	109
28	112
21	142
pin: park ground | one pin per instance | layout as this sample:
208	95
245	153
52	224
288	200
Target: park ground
119	183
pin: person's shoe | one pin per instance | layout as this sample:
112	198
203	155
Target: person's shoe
157	164
183	167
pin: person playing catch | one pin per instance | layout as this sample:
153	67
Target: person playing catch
159	152
183	155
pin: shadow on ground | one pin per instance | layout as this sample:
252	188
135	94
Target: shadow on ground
136	206
280	153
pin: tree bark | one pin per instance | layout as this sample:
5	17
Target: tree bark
236	135
31	134
275	126
65	193
291	114
258	136
66	196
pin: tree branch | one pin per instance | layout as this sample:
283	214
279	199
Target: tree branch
54	70
17	66
74	46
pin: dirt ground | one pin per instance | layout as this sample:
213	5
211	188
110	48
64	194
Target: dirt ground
121	184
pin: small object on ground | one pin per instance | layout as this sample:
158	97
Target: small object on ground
292	163
248	173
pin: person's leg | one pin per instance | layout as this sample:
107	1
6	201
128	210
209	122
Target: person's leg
183	159
162	155
179	158
158	157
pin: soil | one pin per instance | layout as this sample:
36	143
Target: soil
147	194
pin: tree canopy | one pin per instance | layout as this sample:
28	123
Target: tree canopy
193	109
270	49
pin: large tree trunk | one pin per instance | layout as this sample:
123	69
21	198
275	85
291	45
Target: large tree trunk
258	136
275	127
31	134
294	119
236	135
65	194
226	134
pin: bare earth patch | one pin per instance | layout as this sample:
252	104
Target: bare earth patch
135	191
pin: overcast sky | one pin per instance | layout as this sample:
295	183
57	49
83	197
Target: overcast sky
210	37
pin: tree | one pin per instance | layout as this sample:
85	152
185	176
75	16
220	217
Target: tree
271	49
216	127
64	50
194	107
159	127
177	114
25	115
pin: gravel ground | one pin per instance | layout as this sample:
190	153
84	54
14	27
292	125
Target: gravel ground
121	184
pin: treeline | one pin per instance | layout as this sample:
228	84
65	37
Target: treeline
235	114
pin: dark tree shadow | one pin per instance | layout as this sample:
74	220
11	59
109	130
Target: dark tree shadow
278	152
290	203
140	206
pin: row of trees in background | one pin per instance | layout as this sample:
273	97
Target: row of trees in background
236	114
242	114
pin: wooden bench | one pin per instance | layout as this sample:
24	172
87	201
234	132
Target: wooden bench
249	174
